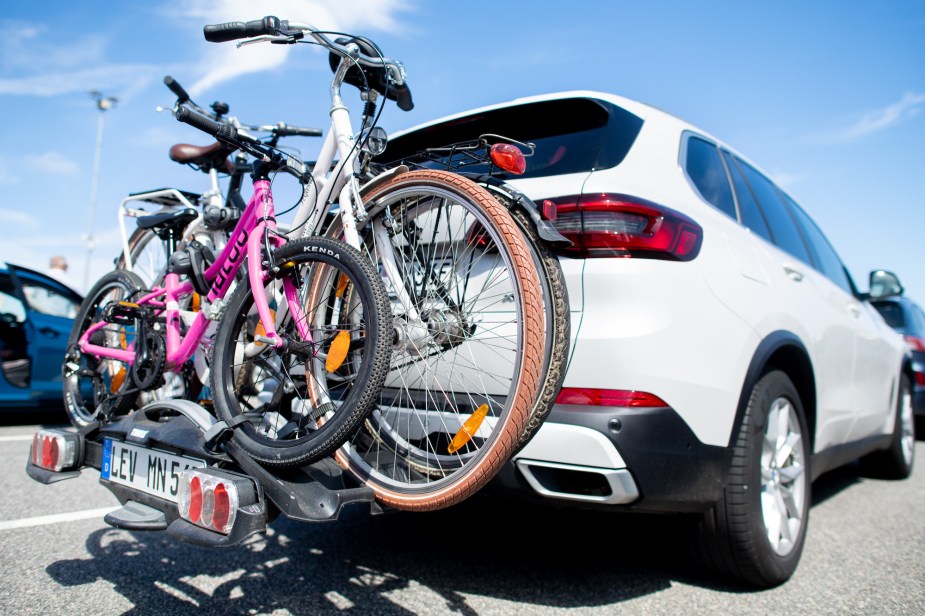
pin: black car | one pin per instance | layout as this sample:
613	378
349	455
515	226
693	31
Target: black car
907	318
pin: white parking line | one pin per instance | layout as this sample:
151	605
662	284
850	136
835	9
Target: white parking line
17	437
56	518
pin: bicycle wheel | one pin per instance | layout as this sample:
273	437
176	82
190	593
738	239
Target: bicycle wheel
465	369
303	400
149	257
95	388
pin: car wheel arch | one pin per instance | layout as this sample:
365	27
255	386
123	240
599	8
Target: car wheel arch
784	351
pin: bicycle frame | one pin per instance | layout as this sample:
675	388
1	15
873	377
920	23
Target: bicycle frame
247	240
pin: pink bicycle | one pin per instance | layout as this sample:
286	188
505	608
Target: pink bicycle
311	313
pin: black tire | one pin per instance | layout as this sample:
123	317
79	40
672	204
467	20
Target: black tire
753	534
558	324
94	388
480	359
897	461
303	411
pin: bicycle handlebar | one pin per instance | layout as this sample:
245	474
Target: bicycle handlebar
220	130
233	30
176	88
284	31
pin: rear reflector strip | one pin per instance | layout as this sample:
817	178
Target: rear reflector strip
608	397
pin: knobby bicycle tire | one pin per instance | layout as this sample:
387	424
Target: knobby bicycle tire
302	402
93	386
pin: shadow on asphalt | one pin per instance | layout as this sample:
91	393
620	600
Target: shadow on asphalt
488	546
402	563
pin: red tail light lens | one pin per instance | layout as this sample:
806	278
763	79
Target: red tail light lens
508	157
208	500
919	378
917	344
608	225
54	450
608	397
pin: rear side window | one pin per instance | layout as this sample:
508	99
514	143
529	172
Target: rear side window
892	313
571	136
827	260
783	229
748	204
705	169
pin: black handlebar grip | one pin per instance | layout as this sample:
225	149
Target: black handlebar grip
233	30
219	130
295	131
403	97
177	89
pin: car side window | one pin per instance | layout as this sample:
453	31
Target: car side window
783	228
748	205
919	317
48	301
826	258
705	169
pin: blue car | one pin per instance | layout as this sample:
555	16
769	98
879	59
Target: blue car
36	316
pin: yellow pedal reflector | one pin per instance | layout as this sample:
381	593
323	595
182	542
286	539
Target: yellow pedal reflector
260	330
117	379
342	283
338	351
468	429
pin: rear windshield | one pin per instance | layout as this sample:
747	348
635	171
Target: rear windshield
571	136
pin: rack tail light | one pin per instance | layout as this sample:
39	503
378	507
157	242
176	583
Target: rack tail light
917	343
210	499
603	225
508	157
55	450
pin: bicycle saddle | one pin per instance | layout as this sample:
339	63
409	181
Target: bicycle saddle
168	223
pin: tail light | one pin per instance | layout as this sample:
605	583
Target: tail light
211	498
610	225
508	157
917	343
54	450
608	397
919	378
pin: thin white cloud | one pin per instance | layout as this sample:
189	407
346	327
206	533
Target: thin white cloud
907	107
225	61
53	163
24	46
17	217
122	78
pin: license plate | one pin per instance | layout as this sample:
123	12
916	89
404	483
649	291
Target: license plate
147	470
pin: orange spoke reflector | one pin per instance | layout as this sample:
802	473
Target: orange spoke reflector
468	429
338	351
342	284
117	379
196	302
260	330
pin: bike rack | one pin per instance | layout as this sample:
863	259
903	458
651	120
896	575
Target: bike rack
314	493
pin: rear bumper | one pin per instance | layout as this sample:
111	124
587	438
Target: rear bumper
626	458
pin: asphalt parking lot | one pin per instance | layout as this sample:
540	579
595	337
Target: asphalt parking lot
865	554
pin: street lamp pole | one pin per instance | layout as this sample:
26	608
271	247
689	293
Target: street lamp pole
103	103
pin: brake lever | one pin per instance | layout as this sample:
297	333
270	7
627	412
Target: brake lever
284	39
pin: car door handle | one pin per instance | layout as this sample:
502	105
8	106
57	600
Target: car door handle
48	331
794	274
854	310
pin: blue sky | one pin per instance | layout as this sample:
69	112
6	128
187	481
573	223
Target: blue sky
827	97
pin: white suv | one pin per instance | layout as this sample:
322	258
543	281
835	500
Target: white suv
721	356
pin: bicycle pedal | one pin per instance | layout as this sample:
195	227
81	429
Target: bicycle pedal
122	313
